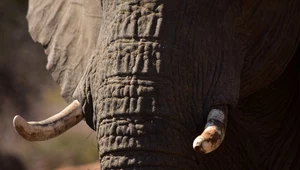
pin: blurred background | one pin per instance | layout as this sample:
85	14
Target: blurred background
27	89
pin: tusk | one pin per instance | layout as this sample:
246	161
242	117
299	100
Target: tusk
51	127
214	132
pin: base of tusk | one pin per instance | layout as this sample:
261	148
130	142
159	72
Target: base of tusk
51	127
214	133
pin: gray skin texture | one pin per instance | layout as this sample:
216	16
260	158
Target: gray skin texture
148	72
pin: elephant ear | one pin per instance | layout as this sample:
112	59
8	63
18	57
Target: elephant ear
270	38
68	30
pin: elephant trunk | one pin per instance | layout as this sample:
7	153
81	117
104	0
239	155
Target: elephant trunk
137	126
51	127
214	132
148	142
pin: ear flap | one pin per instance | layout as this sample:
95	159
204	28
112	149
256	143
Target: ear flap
269	32
68	30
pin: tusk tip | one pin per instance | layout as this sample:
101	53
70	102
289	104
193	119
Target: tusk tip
208	141
17	121
198	145
20	125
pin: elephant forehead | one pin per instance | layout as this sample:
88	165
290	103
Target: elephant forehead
132	19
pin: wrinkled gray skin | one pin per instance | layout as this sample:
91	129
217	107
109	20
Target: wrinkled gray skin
147	73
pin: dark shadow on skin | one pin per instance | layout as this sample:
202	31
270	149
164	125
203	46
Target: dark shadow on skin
297	55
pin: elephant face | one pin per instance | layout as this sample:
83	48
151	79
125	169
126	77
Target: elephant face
148	75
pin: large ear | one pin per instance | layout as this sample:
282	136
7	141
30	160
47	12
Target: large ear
68	30
270	32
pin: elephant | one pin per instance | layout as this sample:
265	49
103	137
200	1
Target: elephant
169	84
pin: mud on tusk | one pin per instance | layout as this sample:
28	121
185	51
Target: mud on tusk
214	131
51	127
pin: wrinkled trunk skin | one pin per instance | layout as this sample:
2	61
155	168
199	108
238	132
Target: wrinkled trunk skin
157	73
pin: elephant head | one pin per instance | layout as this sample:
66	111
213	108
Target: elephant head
156	79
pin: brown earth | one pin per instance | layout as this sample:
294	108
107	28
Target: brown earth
90	166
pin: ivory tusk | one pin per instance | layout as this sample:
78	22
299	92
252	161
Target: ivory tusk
214	131
51	127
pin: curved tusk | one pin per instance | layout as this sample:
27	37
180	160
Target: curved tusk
51	127
214	132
